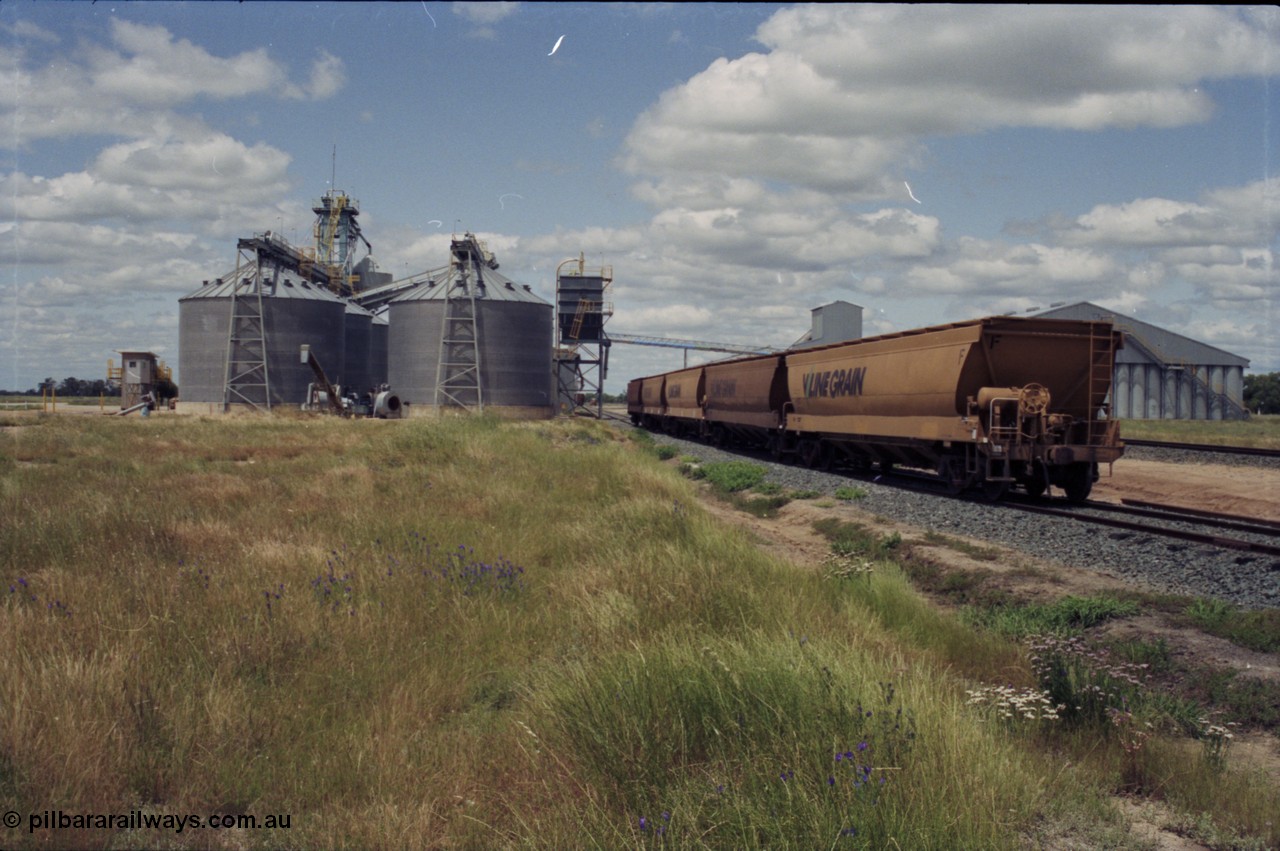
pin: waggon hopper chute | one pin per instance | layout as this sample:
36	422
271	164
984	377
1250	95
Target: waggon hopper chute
992	403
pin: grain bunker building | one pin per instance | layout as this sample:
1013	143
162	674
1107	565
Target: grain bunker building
1163	375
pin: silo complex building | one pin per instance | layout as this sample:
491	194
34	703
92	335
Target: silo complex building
1163	375
463	336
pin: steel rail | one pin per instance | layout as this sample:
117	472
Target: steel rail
1203	447
1265	526
1162	531
1176	515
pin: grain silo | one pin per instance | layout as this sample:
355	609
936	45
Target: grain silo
357	376
239	336
469	337
378	349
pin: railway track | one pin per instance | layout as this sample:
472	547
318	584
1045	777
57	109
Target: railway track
1184	551
1166	521
1131	517
1204	447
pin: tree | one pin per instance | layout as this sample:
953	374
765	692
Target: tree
165	390
1262	393
71	386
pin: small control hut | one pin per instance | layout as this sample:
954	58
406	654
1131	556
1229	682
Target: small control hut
138	374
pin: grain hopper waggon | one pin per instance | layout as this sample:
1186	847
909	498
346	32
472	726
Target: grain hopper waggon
991	403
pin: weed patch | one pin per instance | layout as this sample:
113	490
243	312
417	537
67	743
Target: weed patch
1065	615
1245	700
1083	681
1254	630
731	476
759	506
977	552
849	539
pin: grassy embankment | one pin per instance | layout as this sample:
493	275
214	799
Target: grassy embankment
1260	432
473	634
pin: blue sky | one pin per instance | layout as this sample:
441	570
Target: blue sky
736	164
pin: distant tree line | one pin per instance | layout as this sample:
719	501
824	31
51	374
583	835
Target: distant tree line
70	386
1262	393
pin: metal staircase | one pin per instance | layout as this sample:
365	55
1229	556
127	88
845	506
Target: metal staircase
1230	409
458	363
1198	384
247	381
584	305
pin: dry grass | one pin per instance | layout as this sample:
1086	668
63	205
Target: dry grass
463	634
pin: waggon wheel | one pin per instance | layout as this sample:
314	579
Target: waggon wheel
818	455
994	491
1078	482
951	472
1037	480
808	451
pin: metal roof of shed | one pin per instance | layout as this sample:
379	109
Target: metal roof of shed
1162	345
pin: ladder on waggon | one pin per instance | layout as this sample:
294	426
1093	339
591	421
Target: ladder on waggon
1102	357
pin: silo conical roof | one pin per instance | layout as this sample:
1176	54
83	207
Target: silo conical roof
496	287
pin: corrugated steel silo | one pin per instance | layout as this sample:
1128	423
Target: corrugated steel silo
378	350
512	340
203	317
357	376
294	312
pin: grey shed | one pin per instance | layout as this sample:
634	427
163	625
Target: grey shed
1160	374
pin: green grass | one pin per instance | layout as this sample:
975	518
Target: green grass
1262	432
469	633
1255	630
731	476
1062	616
850	493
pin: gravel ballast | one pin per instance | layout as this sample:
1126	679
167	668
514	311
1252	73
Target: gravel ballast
1163	564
